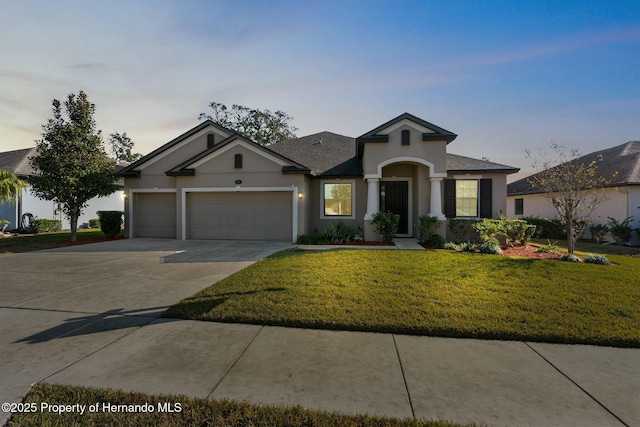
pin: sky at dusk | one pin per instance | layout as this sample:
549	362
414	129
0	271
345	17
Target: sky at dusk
504	75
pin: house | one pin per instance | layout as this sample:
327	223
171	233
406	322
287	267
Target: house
623	192
17	161
211	183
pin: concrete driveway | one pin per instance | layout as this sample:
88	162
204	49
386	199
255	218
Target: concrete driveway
59	306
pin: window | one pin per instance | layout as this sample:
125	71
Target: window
467	197
238	161
337	199
519	206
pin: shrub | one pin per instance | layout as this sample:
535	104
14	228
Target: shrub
490	248
620	230
547	228
462	229
306	240
490	231
504	232
598	232
110	223
570	258
94	223
596	259
386	225
549	248
452	246
428	225
338	233
44	226
436	241
468	247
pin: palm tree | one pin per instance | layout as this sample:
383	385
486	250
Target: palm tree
10	185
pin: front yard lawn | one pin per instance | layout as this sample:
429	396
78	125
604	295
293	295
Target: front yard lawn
437	293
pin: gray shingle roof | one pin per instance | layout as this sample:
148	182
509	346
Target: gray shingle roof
325	153
17	161
456	163
624	159
330	154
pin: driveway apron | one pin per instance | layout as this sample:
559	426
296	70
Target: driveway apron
59	306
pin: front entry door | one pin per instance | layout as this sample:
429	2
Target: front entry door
394	197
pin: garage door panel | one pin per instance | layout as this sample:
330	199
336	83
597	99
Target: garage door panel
240	216
154	215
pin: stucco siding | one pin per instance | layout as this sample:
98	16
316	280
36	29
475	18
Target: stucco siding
622	202
434	152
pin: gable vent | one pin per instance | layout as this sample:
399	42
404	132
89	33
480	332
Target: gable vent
211	140
406	137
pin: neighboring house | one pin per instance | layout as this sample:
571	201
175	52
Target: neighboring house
17	161
623	192
211	183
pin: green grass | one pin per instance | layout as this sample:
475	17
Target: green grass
584	247
193	412
437	293
36	242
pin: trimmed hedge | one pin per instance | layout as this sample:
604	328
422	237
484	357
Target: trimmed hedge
44	226
110	222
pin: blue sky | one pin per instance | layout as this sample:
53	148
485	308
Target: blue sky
504	75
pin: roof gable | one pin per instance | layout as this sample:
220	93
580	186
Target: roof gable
134	168
188	167
623	159
430	132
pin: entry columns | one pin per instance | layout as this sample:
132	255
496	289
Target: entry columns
436	198
373	205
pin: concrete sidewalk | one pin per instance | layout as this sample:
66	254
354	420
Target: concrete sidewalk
461	380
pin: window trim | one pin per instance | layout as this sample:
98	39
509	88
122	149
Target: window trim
353	198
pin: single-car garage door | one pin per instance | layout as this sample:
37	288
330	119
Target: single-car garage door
263	215
154	215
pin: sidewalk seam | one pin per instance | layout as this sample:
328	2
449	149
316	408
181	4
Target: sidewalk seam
404	378
576	384
234	363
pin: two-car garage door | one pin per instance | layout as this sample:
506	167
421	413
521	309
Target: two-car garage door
263	215
253	215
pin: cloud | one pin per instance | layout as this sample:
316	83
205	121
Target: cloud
580	41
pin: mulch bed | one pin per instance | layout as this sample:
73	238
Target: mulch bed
87	241
530	252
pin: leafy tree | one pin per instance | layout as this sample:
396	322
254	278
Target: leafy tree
121	146
72	164
10	185
262	126
574	188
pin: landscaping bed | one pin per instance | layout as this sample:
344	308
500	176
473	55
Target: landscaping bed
11	244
